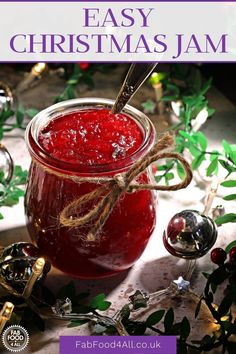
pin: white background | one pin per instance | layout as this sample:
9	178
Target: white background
168	18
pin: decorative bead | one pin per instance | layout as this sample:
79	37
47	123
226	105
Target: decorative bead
190	235
16	264
181	284
218	256
6	98
84	66
232	254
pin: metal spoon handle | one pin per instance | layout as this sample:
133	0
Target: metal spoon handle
135	77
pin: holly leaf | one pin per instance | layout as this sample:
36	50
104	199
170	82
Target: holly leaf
226	147
227	166
225	305
138	329
230	245
20	114
218	277
231	217
169	320
229	183
212	167
182	348
197	161
198	308
206	86
19	176
202	140
187	136
185	328
206	342
230	197
154	318
99	303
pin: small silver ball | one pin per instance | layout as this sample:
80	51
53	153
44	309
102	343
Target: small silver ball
6	98
190	235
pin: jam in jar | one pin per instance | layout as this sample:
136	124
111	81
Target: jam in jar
82	138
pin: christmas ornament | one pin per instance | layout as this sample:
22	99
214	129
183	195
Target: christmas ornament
18	264
232	254
218	256
6	97
6	164
84	66
190	234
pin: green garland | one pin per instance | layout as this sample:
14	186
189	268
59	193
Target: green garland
31	312
185	84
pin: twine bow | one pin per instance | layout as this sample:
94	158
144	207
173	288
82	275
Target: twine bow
115	186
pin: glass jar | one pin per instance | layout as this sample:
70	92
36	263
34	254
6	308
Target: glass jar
126	232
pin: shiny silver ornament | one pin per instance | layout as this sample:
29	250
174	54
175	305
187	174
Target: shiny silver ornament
6	97
190	235
16	264
6	164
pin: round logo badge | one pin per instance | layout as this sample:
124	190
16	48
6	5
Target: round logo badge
15	338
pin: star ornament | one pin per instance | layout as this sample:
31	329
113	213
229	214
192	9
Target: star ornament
149	106
181	284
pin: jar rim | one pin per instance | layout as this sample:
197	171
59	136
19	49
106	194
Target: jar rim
65	107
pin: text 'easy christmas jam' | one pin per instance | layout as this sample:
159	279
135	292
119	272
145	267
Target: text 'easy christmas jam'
128	30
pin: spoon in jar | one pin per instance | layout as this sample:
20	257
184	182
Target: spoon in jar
135	77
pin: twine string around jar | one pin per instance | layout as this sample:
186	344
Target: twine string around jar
109	193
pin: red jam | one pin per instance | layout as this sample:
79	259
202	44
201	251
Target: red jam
91	137
88	138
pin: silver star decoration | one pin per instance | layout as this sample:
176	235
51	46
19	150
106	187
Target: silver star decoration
181	284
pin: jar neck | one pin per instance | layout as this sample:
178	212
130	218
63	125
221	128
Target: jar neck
44	117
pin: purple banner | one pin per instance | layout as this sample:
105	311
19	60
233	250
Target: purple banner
118	345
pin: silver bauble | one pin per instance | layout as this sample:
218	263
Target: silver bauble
6	98
190	234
